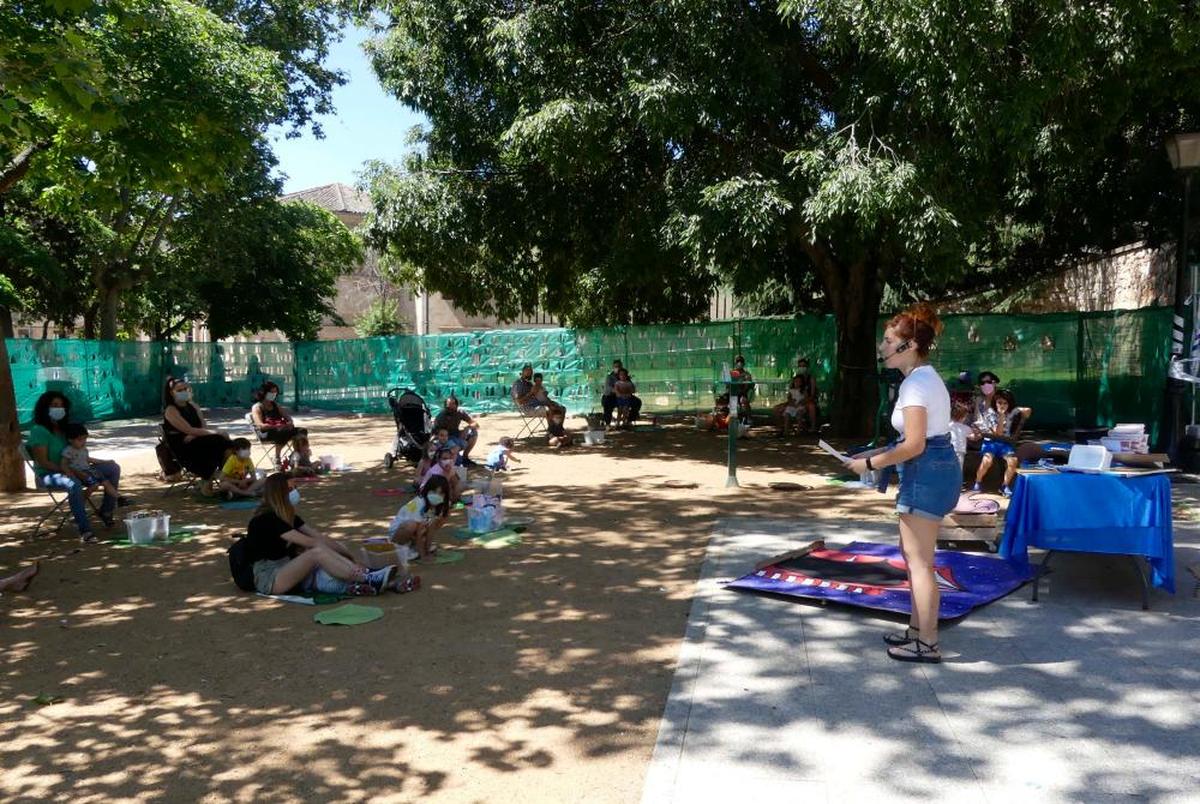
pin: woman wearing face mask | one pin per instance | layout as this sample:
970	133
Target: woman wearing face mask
419	519
983	403
47	440
929	472
282	555
198	447
272	420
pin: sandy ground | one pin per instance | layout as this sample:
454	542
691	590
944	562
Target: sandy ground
531	673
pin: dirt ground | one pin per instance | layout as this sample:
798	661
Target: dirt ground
531	673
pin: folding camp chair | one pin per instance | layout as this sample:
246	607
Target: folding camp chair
531	424
266	447
185	478
58	497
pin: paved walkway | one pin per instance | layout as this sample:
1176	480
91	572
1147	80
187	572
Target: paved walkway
1081	697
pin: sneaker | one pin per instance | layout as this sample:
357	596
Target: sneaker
409	553
125	502
380	578
107	519
977	487
1006	491
88	538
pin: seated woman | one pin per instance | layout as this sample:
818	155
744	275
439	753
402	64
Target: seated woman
47	440
624	390
280	554
800	406
272	420
201	449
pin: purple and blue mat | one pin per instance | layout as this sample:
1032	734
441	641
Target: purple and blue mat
873	576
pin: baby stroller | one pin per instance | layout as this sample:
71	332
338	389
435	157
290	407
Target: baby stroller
413	423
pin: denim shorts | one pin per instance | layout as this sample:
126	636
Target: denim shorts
995	447
930	483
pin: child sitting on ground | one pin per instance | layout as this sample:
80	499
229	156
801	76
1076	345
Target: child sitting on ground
556	435
238	478
501	454
960	428
415	524
78	462
1002	422
719	418
301	462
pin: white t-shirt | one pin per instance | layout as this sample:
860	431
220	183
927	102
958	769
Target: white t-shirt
923	388
958	437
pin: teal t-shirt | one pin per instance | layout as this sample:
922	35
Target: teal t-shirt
54	443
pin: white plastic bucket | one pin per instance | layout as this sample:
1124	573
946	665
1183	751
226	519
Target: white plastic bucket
145	528
593	437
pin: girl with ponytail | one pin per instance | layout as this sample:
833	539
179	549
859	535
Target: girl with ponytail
930	475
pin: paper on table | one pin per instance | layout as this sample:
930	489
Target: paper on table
841	456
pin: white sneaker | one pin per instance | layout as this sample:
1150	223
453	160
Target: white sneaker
408	552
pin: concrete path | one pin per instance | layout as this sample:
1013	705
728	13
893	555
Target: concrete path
1081	697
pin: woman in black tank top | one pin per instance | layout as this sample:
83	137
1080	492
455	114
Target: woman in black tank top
200	449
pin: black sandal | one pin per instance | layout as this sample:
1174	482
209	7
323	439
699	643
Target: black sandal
901	637
917	651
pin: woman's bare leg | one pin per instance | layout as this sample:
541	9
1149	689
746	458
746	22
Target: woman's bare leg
985	463
19	581
1010	469
320	556
918	540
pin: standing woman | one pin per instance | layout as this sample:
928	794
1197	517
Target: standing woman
200	449
47	440
272	420
929	472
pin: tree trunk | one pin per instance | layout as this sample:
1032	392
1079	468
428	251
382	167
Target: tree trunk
856	311
12	468
89	321
110	299
6	323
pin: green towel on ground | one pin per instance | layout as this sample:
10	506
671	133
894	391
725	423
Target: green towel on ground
181	535
449	556
349	614
504	537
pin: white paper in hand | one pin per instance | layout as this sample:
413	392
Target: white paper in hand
841	456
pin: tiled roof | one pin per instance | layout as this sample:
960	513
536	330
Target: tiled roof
336	197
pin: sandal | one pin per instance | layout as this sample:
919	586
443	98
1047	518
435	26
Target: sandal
901	637
916	651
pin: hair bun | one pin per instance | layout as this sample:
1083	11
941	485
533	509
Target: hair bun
924	313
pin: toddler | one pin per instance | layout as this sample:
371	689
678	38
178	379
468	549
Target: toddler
79	464
501	454
301	460
960	429
238	478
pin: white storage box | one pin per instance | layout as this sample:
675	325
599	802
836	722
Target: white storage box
593	437
1088	458
144	527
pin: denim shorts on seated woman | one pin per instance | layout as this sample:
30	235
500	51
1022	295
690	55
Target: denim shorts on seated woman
930	483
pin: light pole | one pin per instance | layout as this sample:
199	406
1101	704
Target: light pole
1184	153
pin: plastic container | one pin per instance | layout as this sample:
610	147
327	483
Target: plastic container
334	462
146	526
593	437
1112	444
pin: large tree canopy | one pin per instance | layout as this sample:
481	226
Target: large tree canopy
614	162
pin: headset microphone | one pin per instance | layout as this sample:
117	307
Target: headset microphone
904	347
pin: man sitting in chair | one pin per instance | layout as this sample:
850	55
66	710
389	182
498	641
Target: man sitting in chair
530	396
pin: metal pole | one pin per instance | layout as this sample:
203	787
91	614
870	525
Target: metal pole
732	480
1173	415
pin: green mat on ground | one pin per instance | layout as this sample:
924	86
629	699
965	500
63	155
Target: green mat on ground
504	537
349	614
319	599
449	556
181	535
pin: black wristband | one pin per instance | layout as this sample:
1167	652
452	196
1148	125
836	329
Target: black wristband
870	468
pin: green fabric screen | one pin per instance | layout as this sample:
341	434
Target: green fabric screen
1071	368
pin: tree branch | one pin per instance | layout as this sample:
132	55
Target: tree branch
16	169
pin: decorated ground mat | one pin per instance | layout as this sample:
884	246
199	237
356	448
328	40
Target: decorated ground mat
504	537
873	576
175	537
349	614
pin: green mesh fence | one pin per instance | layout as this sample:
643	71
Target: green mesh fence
1071	368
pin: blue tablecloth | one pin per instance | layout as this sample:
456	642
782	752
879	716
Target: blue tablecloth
1088	513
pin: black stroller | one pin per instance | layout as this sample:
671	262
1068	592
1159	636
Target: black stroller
413	423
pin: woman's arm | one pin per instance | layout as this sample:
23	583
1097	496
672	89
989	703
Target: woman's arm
915	419
316	537
256	415
41	457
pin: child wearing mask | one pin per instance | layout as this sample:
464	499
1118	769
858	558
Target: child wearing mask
444	467
238	478
78	462
418	520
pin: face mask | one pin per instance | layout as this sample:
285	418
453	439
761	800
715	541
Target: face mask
988	388
434	498
57	414
271	396
243	453
182	396
294	497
